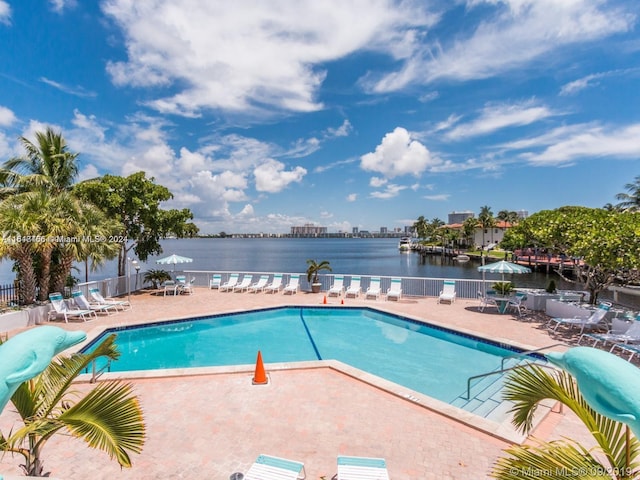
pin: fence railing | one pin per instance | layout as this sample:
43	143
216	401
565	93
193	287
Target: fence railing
8	294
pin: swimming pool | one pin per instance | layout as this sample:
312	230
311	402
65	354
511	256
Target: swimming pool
425	358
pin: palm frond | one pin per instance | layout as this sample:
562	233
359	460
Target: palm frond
109	418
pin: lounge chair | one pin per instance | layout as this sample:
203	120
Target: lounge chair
374	288
216	281
592	321
362	468
259	285
632	350
448	292
229	284
242	286
61	309
395	290
170	287
275	285
486	301
267	467
83	304
187	287
337	288
515	303
294	285
630	335
99	299
354	289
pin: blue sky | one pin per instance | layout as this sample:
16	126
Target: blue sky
344	113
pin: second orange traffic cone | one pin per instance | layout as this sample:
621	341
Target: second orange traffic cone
260	377
324	301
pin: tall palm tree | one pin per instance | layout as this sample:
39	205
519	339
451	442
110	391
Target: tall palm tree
421	227
630	201
618	454
48	164
486	221
108	418
469	229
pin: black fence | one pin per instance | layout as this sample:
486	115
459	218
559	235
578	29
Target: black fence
8	294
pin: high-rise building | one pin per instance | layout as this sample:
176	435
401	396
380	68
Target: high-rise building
308	229
459	217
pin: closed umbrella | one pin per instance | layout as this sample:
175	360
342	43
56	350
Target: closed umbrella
173	259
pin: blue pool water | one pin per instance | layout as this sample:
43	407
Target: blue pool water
427	359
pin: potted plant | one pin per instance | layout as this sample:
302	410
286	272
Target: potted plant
503	288
156	278
551	287
312	273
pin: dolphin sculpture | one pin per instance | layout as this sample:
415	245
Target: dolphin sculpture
608	383
27	354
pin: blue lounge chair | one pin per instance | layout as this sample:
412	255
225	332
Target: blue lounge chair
61	309
267	467
362	468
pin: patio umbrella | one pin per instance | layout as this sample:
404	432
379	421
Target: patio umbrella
173	259
503	267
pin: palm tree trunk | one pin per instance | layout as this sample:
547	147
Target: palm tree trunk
27	284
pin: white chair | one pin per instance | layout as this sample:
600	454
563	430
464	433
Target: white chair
61	309
98	298
216	281
259	285
275	285
395	290
486	301
590	322
267	467
362	468
515	303
293	286
354	288
448	292
242	286
337	288
187	287
630	335
83	304
374	288
229	284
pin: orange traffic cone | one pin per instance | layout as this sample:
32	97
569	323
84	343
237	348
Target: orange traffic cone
259	377
324	301
342	302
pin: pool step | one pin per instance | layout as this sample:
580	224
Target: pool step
486	395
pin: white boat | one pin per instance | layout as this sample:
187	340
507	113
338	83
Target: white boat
405	244
462	258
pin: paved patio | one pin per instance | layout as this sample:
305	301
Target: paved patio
214	424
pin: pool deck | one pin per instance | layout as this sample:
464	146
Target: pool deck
211	425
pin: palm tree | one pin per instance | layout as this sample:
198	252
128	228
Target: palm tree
108	418
314	267
421	227
617	455
47	165
630	201
486	221
469	229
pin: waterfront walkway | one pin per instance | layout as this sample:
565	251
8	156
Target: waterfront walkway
209	426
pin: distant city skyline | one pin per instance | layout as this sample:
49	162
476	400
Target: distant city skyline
262	116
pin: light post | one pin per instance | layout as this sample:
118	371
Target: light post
135	264
137	267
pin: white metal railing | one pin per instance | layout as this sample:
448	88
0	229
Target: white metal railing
411	286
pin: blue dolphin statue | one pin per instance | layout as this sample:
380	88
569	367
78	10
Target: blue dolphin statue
609	384
28	353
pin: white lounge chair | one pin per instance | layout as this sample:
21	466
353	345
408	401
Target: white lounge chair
354	289
267	467
259	285
374	288
61	309
242	286
395	290
590	322
216	281
337	288
448	292
630	335
187	287
275	285
99	299
83	304
293	286
229	284
362	468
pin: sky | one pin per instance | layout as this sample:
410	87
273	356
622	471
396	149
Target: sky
259	116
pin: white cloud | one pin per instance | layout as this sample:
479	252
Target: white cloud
342	131
253	55
496	117
271	176
77	91
7	117
398	155
519	32
591	80
438	198
59	5
590	142
5	13
391	190
352	197
377	182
